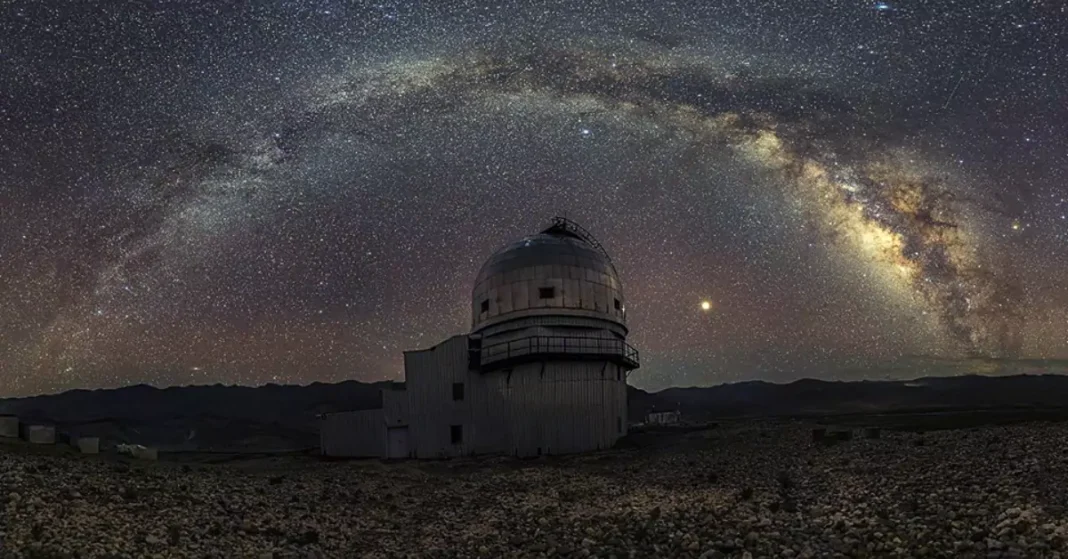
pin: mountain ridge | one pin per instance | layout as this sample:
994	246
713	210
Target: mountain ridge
284	416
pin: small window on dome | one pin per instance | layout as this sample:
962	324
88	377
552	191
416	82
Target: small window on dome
619	306
546	292
484	307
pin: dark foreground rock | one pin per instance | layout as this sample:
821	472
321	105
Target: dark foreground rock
992	492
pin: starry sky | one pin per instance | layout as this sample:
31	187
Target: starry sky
290	191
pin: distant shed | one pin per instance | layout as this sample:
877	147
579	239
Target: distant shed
38	434
9	426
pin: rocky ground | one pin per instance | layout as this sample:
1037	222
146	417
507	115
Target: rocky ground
746	491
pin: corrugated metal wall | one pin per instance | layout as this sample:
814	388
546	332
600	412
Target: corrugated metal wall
556	407
395	409
551	408
354	434
429	376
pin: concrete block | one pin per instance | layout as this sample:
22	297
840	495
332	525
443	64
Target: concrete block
38	434
9	426
87	445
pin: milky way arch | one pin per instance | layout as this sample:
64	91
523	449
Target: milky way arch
833	155
890	211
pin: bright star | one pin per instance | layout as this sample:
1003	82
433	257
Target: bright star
706	305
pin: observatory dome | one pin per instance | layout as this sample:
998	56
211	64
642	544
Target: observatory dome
560	272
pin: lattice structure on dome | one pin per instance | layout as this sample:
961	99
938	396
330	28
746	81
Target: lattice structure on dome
565	227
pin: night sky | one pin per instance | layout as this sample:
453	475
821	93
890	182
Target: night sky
291	191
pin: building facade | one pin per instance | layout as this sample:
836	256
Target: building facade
543	370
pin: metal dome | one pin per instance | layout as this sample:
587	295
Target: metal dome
563	256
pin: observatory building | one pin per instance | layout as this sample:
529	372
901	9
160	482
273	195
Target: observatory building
543	370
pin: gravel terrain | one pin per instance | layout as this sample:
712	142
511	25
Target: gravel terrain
746	491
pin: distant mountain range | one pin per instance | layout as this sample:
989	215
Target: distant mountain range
269	417
275	417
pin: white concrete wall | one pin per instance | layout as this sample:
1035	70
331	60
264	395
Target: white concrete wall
354	434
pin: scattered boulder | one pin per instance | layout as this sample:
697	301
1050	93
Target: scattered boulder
128	493
307	537
174	535
786	483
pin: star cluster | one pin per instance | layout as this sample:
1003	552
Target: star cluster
206	192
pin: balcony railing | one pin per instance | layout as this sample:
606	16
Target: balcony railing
534	348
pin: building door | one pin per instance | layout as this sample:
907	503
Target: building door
397	442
